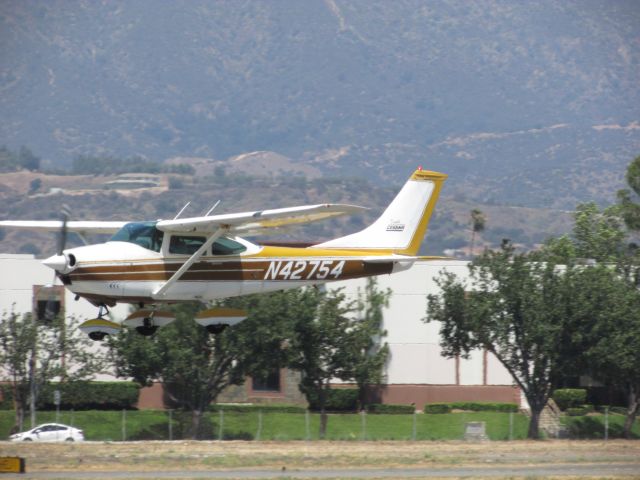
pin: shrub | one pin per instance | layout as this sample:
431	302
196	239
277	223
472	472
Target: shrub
569	397
581	410
82	396
338	400
90	395
485	406
437	408
264	407
390	409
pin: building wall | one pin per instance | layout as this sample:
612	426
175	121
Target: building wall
20	279
415	373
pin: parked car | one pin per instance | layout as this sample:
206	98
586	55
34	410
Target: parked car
49	432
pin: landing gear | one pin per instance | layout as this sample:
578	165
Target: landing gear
147	322
97	336
147	328
98	328
217	328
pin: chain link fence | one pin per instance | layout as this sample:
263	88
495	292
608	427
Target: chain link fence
267	425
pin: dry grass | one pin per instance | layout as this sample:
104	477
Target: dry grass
193	456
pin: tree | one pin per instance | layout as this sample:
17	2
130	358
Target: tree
512	307
478	222
321	344
602	309
34	353
604	312
195	367
369	355
630	206
27	159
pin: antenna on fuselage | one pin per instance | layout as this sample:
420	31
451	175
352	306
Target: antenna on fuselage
212	208
183	209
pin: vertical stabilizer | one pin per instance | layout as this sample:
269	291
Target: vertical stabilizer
402	226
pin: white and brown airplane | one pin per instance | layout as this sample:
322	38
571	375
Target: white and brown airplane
204	258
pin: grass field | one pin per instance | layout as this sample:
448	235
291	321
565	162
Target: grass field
154	425
272	426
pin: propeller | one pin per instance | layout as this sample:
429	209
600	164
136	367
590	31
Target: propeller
50	308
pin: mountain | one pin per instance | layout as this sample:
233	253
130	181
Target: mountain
535	104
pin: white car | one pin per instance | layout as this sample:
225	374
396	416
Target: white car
49	432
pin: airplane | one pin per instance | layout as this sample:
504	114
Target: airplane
205	258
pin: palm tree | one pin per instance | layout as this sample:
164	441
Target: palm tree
478	222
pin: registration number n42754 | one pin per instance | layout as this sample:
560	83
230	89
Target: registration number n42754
304	269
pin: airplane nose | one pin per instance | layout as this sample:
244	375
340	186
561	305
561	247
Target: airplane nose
56	262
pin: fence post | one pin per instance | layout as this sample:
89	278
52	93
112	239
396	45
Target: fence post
259	432
363	414
124	425
510	426
414	427
606	423
306	426
221	429
170	425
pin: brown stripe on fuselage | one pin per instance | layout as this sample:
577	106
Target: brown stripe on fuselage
298	269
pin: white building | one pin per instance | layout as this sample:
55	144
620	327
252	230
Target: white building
416	372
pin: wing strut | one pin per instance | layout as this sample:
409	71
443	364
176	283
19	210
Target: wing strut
160	291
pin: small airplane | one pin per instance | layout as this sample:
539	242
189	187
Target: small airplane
204	258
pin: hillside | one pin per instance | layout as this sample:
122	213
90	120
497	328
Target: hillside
535	104
95	198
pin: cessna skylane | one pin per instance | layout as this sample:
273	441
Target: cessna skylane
160	262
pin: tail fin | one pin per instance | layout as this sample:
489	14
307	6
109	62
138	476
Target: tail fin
402	226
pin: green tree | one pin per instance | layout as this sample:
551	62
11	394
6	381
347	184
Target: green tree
512	306
601	312
195	367
27	159
628	199
604	324
33	354
321	347
369	353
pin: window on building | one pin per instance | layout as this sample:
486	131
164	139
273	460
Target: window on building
267	383
48	302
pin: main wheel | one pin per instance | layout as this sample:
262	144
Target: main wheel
216	329
97	336
146	331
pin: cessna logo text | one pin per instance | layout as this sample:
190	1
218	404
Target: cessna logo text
304	269
395	227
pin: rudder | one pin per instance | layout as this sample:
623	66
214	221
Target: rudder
402	226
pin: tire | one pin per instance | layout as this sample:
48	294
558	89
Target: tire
70	439
27	440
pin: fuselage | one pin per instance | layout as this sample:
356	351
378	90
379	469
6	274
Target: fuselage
127	271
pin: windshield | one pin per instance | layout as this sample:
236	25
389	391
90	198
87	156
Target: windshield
144	234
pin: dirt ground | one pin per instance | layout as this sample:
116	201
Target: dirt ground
194	456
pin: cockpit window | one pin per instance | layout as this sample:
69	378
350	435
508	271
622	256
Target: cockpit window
144	234
226	246
188	245
185	245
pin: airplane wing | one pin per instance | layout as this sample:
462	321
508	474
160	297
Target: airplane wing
255	223
81	227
